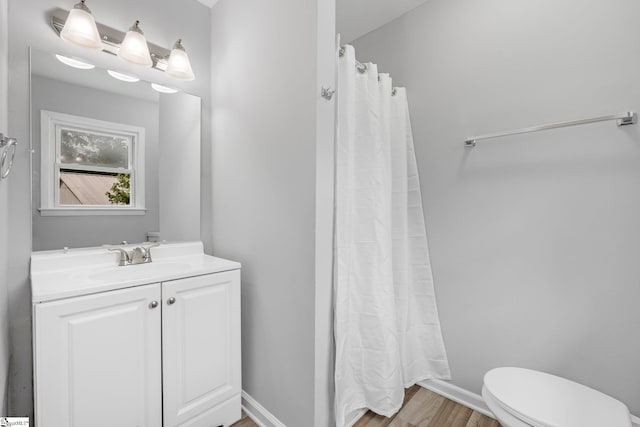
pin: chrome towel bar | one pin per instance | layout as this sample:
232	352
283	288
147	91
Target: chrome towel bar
628	118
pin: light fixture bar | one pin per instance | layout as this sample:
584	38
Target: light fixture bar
111	40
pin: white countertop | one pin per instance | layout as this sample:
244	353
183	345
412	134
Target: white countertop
59	274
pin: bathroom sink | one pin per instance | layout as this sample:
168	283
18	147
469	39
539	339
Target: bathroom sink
86	271
140	271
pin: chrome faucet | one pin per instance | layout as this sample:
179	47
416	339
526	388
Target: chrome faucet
124	256
139	255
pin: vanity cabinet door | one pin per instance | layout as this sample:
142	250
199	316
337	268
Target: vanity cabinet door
201	350
97	359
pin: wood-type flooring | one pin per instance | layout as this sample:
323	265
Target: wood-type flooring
421	408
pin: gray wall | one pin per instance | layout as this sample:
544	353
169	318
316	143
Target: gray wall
4	211
263	85
534	240
55	232
163	21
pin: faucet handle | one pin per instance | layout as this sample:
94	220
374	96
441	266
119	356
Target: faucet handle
138	255
124	256
148	250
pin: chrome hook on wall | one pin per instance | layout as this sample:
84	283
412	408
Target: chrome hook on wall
7	145
327	93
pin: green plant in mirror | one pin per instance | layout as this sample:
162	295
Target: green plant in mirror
120	192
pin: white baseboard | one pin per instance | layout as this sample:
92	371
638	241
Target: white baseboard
471	400
258	413
261	416
457	394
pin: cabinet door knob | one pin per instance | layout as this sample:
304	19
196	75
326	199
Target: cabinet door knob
153	304
171	301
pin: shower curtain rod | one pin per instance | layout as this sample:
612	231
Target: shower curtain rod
628	118
362	68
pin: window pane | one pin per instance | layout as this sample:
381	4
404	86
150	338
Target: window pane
88	148
90	188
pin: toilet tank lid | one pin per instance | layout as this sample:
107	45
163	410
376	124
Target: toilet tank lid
546	400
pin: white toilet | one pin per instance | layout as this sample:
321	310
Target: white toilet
524	398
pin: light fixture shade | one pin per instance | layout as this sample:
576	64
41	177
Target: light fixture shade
80	28
134	47
178	65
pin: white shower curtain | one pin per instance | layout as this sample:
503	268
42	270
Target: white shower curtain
387	328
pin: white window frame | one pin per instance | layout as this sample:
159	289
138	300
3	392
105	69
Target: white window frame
51	123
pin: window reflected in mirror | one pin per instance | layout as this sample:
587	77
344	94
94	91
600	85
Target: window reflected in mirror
94	168
90	163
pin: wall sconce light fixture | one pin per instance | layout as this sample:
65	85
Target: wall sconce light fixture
134	47
78	25
80	28
179	66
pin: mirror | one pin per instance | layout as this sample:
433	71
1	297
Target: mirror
113	158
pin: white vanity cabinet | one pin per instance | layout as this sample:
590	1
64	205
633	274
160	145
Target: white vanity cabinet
150	355
97	360
201	350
